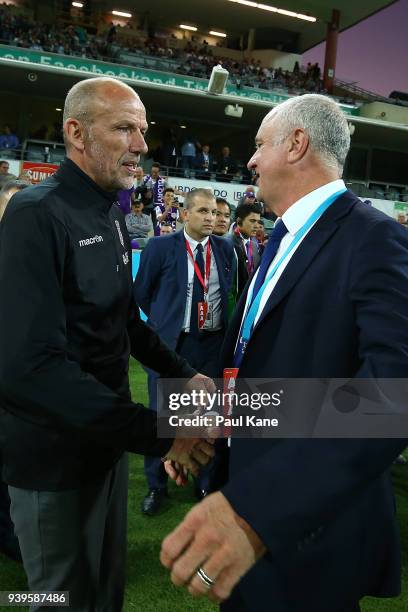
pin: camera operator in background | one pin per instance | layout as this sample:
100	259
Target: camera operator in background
168	212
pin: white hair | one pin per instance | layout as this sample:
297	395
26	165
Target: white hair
323	121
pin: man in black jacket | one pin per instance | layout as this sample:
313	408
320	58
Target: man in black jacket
68	324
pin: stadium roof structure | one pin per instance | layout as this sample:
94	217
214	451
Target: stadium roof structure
232	17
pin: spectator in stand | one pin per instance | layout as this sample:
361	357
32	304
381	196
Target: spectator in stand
169	148
156	183
204	163
227	166
137	223
5	176
146	195
222	217
165	229
248	197
8	140
188	154
138	182
168	212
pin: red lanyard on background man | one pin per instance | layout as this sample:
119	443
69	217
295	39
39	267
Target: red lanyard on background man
205	282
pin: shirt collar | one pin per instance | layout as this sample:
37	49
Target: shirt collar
297	214
193	243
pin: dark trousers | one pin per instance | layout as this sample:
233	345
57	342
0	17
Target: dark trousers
75	540
8	541
202	352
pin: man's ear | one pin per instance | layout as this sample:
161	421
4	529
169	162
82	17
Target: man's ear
75	134
298	145
239	221
184	214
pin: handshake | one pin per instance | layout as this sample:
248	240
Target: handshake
189	454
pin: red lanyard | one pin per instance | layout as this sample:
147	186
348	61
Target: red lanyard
205	282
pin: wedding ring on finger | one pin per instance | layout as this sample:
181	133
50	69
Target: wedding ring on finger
204	578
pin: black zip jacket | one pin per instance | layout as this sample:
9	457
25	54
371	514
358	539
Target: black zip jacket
68	323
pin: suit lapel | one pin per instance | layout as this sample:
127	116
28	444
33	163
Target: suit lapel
221	265
181	263
309	248
256	255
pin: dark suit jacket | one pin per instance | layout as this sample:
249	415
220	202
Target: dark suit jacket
324	508
160	286
241	259
199	162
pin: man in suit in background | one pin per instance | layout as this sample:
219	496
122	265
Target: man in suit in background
307	525
247	217
169	290
204	163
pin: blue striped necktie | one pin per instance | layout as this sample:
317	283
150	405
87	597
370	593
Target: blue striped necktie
279	231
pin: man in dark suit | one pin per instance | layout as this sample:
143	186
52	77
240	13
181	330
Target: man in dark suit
168	288
204	163
247	217
226	167
308	525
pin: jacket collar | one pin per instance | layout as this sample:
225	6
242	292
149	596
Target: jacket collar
320	233
71	173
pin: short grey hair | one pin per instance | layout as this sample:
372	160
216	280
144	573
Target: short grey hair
80	100
323	121
189	199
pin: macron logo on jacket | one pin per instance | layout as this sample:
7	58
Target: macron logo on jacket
92	240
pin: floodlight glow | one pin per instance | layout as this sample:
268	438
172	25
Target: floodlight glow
187	27
274	9
78	4
215	33
121	14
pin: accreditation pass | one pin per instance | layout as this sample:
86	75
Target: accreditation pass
16	599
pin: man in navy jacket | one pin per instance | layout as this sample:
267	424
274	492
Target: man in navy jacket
165	288
307	525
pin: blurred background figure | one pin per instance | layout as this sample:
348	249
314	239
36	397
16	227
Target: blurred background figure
222	218
8	190
5	175
166	229
188	154
137	223
226	167
8	140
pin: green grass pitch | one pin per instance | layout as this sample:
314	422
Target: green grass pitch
148	585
